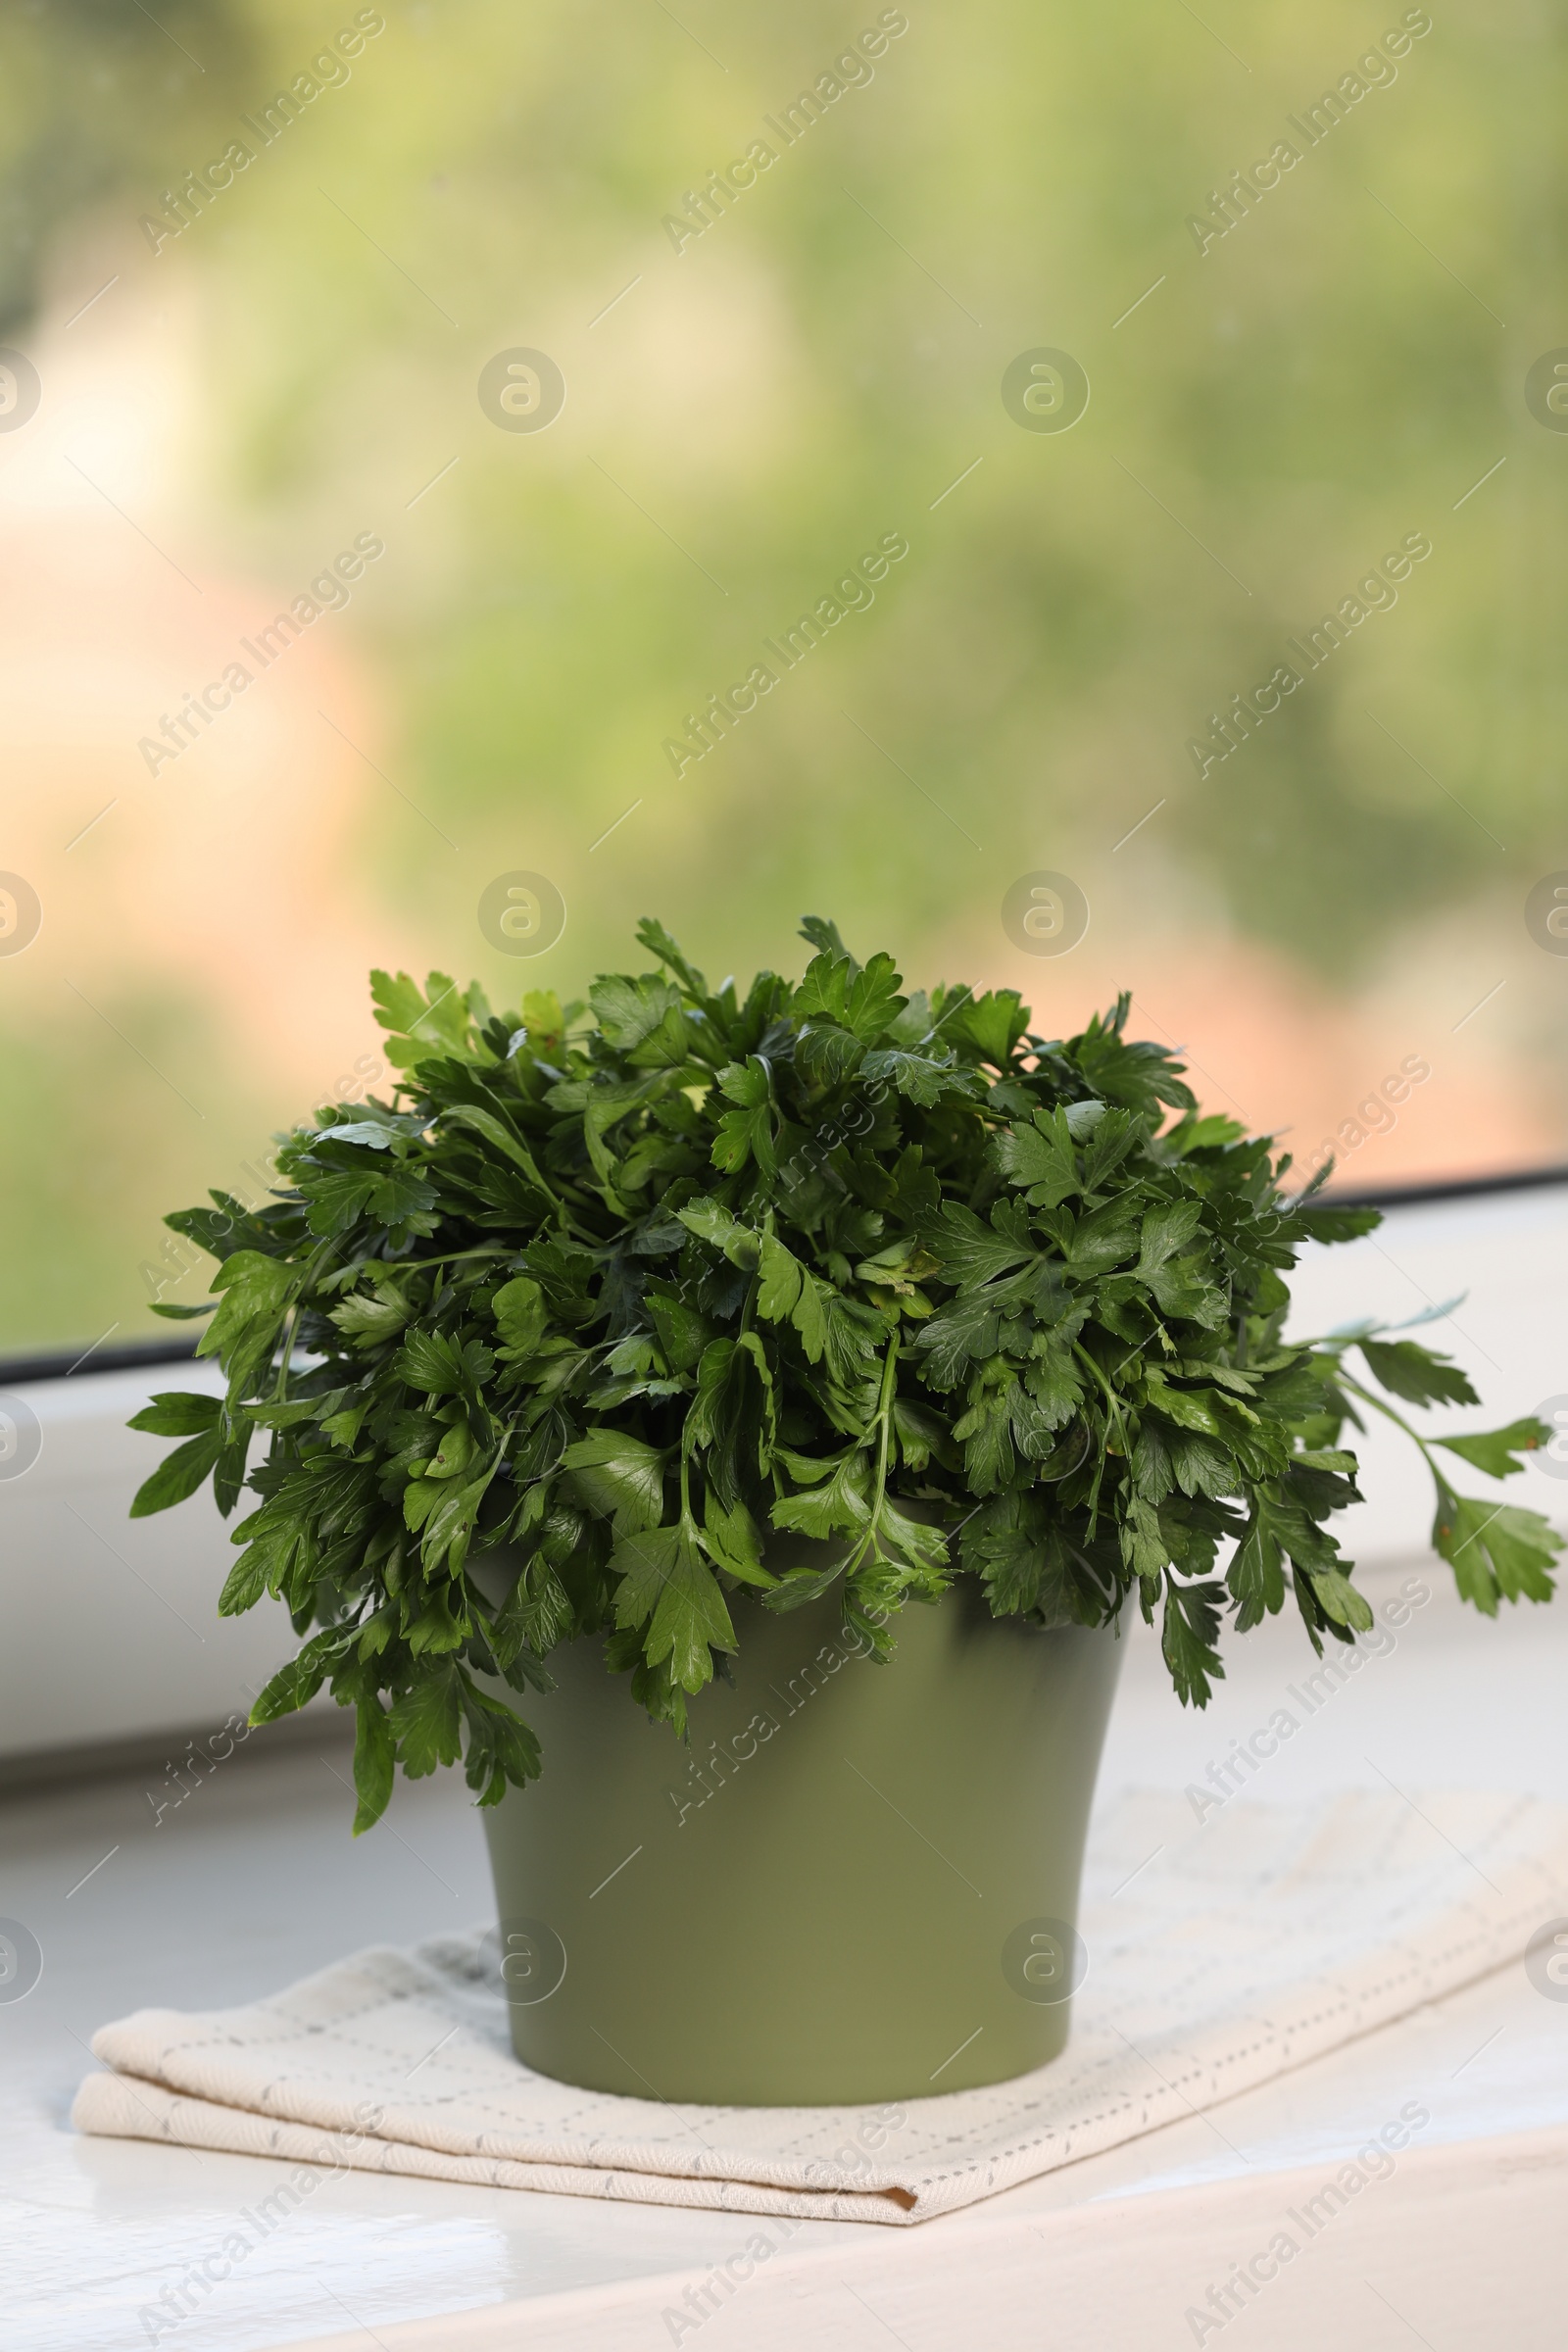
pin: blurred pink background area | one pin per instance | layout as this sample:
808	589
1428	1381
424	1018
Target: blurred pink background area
228	878
1316	1069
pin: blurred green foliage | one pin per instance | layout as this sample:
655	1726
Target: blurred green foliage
816	367
87	94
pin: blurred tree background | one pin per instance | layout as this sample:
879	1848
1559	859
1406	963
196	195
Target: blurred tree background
1271	411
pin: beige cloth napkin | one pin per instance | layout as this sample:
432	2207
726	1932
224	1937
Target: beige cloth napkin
1219	1956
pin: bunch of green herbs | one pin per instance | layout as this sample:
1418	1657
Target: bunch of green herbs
610	1307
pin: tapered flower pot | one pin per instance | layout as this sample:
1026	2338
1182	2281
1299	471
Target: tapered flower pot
858	1882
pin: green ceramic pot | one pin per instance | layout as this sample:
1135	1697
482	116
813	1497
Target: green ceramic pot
858	1883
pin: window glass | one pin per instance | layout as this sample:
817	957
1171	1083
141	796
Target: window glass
1077	495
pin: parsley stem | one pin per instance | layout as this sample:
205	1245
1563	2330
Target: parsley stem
319	1258
294	1313
449	1258
884	1413
884	1417
1114	1403
1399	1422
1346	1380
1111	1398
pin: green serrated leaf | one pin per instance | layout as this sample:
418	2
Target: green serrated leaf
295	1684
619	1477
1406	1369
1340	1600
667	1586
369	1317
535	1615
969	1253
375	1755
628	1010
1496	1552
1496	1451
177	1414
178	1474
502	1750
255	1295
1188	1632
426	1722
734	1542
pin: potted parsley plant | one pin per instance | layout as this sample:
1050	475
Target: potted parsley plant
782	1397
